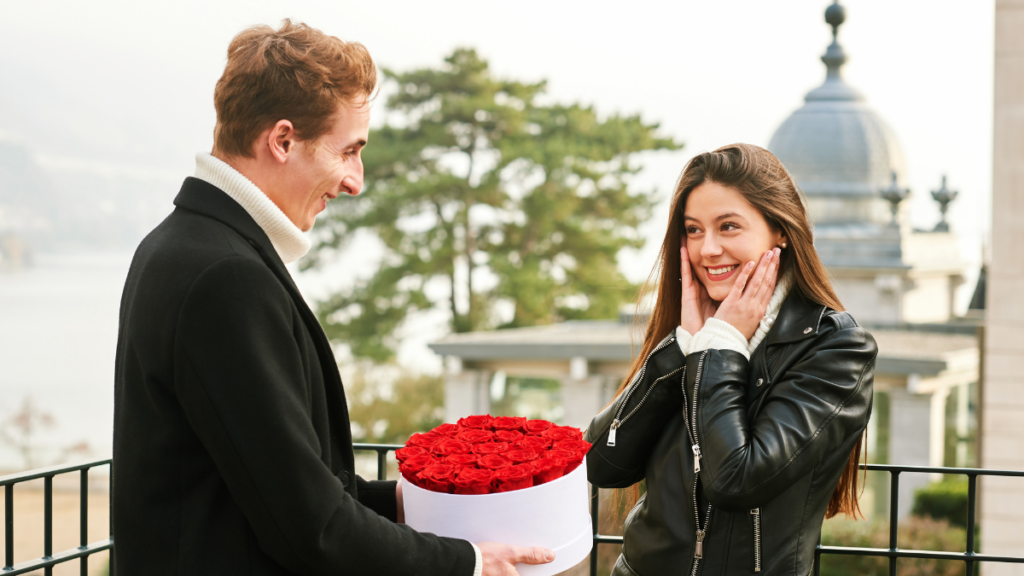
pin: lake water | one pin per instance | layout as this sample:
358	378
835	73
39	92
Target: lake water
58	335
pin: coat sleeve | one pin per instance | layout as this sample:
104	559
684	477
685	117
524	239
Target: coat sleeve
811	410
241	382
379	496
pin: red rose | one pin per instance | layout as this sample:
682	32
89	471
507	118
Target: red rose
510	436
563	433
566	455
537	426
520	456
437	477
451	446
513	478
473	481
580	447
535	443
462	460
413	465
449	430
404	453
572	466
508	423
490	448
426	440
493	462
476	421
547	469
475	436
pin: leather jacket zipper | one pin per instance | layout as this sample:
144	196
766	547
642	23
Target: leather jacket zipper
756	515
691	431
613	430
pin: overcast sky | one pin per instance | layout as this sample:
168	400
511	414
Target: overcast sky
127	86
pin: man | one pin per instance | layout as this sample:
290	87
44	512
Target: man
232	449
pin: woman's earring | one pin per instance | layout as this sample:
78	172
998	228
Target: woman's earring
783	245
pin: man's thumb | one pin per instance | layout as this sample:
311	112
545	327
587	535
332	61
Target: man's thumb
535	555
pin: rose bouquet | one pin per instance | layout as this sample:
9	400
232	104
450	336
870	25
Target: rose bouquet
504	479
485	455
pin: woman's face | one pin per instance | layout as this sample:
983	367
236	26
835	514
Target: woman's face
722	233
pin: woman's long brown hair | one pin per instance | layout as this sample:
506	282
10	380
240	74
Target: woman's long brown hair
764	182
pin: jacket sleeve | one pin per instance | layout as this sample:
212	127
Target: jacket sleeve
820	403
642	410
241	381
379	496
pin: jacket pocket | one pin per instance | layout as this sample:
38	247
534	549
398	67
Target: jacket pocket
755	516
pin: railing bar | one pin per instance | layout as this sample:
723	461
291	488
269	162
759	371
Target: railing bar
49	471
66	556
382	464
83	506
595	495
48	521
8	526
894	507
925	554
972	495
939	470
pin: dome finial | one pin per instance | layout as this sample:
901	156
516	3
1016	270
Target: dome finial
834	57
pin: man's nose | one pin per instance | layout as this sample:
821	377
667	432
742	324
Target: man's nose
352	184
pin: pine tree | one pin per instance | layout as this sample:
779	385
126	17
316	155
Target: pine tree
475	183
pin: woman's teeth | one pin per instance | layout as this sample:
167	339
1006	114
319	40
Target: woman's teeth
722	270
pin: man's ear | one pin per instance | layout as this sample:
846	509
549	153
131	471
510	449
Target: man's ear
281	140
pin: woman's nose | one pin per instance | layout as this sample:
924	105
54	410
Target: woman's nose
710	247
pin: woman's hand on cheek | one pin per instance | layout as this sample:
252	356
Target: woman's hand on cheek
746	303
697	306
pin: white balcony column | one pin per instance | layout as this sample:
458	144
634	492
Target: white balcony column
916	429
465	391
1002	499
581	394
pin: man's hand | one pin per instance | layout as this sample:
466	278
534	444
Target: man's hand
746	303
501	559
697	306
401	503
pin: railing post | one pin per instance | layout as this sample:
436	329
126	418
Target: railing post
817	557
83	503
48	522
382	464
894	510
594	497
972	496
9	526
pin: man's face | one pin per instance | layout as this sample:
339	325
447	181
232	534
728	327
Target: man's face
321	170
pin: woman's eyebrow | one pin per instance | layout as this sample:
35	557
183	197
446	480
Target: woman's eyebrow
729	215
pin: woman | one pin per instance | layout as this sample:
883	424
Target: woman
746	409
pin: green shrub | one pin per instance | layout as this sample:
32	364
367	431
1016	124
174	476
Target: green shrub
946	500
915	533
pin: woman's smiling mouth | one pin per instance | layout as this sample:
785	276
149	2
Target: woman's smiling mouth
720	273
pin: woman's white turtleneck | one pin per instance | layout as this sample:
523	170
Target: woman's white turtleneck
289	241
720	335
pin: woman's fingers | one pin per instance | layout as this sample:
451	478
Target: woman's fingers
771	278
755	290
741	281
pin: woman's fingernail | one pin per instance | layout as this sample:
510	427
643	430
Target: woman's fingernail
777	251
750	265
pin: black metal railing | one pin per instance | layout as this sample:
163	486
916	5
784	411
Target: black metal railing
970	557
49	559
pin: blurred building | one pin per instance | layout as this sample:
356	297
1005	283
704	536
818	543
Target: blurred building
899	282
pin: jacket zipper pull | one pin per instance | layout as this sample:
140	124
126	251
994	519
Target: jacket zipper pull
696	458
699	552
613	431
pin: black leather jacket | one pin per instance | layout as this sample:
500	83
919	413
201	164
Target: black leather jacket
749	450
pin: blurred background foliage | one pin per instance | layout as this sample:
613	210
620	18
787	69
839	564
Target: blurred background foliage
482	195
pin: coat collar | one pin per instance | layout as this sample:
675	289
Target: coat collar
204	198
798	319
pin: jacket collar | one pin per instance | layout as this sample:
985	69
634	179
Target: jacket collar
798	319
204	198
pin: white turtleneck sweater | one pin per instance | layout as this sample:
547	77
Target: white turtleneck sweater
289	241
720	335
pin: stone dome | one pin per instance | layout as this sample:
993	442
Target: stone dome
839	151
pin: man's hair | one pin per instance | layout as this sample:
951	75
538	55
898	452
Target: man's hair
295	73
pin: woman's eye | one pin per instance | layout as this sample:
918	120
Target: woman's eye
692	230
729	226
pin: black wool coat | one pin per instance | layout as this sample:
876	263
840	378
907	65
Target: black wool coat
232	448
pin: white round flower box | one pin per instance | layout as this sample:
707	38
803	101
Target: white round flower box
555	515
